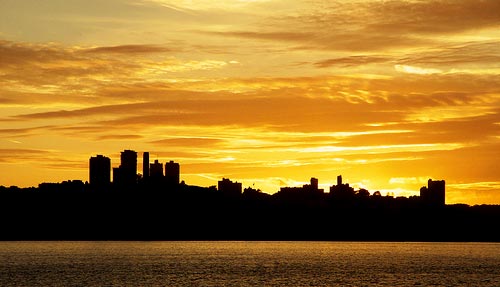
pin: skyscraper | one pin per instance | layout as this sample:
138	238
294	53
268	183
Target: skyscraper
129	160
145	165
434	193
99	171
127	172
314	183
172	173
116	176
156	169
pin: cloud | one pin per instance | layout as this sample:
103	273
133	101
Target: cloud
187	156
463	53
119	137
188	142
46	74
300	113
372	26
57	60
292	104
458	127
470	56
351	61
274	36
130	49
409	180
434	17
16	155
416	70
37	68
328	40
16	132
207	5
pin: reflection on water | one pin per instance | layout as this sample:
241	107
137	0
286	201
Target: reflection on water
248	264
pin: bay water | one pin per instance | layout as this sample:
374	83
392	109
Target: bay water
234	263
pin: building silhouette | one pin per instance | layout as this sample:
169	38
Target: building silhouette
126	174
156	170
313	186
129	160
99	171
341	190
310	190
145	165
434	193
172	173
228	187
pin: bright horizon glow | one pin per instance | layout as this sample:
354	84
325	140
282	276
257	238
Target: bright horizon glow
265	92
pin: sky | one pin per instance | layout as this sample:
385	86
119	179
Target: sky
265	92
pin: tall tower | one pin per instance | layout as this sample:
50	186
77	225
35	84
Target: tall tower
437	191
434	193
172	173
128	168
314	183
99	171
156	170
145	165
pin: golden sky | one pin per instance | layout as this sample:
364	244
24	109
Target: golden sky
265	92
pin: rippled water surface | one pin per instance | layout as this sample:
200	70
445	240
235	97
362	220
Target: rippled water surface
248	264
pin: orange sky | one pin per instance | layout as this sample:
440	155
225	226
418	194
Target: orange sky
265	92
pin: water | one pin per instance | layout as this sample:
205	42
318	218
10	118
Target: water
248	264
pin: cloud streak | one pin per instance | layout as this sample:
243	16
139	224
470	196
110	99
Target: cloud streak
129	49
375	25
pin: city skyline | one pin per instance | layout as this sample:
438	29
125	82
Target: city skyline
386	93
157	206
166	178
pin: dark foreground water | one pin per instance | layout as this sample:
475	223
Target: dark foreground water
248	264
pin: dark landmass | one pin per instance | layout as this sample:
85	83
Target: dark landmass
76	211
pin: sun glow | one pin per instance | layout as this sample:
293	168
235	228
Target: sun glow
416	70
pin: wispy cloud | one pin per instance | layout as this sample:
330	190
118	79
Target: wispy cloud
434	17
416	70
130	49
18	154
372	26
351	61
188	142
119	137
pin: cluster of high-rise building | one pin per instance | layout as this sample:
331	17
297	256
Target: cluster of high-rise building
126	175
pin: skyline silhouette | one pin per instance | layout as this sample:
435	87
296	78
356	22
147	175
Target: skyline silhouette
157	206
126	177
